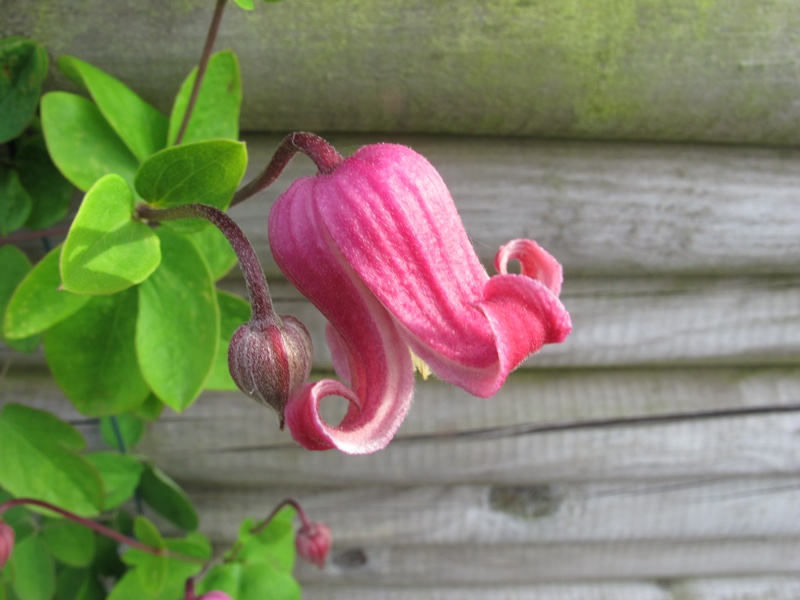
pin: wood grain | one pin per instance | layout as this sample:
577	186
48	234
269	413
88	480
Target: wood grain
684	70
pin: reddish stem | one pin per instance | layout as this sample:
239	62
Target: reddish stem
287	502
205	57
260	300
101	529
324	155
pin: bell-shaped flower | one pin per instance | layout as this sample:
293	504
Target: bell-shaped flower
376	244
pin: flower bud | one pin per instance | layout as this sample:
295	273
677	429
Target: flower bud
215	596
6	542
313	543
269	360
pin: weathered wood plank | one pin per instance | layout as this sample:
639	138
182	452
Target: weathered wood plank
755	588
743	445
610	511
600	208
542	427
506	565
633	323
683	70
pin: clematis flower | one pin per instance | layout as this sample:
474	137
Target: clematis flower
375	242
6	542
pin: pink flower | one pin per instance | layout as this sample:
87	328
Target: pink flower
376	244
313	542
6	542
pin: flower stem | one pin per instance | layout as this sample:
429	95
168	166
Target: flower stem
93	525
201	68
256	529
324	155
260	300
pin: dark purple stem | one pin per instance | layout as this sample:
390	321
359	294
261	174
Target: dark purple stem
260	300
201	68
287	502
324	155
101	529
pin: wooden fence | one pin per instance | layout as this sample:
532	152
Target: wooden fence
655	454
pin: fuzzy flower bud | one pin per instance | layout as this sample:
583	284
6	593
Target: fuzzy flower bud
6	542
269	360
313	543
215	596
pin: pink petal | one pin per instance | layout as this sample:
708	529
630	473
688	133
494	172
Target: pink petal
393	219
367	347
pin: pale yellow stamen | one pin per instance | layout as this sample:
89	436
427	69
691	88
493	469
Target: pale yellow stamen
421	366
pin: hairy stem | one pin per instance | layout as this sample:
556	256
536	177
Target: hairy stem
324	155
260	300
201	68
287	502
93	525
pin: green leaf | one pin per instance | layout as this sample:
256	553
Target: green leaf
82	144
216	249
151	569
121	474
167	498
234	311
106	250
150	409
205	172
50	191
273	546
137	123
78	584
37	304
216	113
250	582
34	572
45	464
130	587
129	426
15	201
245	4
15	267
69	542
23	67
177	331
93	357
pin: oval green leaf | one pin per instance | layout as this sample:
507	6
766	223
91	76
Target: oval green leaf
123	431
137	123
37	304
216	112
33	568
166	497
23	67
120	473
50	191
106	250
177	332
69	543
45	464
82	144
93	357
15	201
15	267
205	172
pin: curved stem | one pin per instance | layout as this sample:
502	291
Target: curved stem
260	300
324	155
101	529
201	68
287	502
